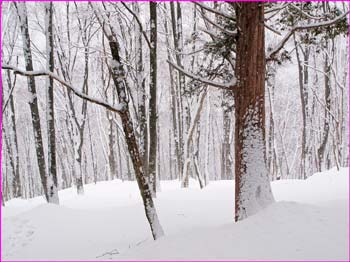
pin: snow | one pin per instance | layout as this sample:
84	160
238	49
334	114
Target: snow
308	221
117	108
255	187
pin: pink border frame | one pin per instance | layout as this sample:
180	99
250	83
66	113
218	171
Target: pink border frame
348	40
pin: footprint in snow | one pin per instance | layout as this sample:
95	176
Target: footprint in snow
18	238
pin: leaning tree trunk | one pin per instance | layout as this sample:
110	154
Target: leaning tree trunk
117	72
188	143
146	191
252	186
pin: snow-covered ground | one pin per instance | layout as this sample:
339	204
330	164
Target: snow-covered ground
308	221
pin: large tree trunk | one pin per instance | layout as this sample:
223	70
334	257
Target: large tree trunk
152	169
252	186
51	149
33	103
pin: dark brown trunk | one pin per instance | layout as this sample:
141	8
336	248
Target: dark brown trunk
252	187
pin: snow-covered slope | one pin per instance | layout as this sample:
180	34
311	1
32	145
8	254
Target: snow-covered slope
308	221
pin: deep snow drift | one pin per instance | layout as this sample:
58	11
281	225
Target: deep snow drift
308	221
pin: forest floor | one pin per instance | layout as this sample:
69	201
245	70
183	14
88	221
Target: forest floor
308	221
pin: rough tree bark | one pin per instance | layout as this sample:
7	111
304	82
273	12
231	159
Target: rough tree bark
33	103
50	110
252	186
152	168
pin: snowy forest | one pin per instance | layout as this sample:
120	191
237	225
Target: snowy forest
145	130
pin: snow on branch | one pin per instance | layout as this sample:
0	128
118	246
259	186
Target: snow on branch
280	45
215	11
228	85
118	108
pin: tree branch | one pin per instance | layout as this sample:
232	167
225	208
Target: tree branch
278	8
324	73
229	32
139	23
230	85
272	29
118	109
280	45
304	13
210	33
212	10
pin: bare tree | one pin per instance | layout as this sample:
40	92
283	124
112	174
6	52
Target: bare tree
33	103
118	75
51	134
152	167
